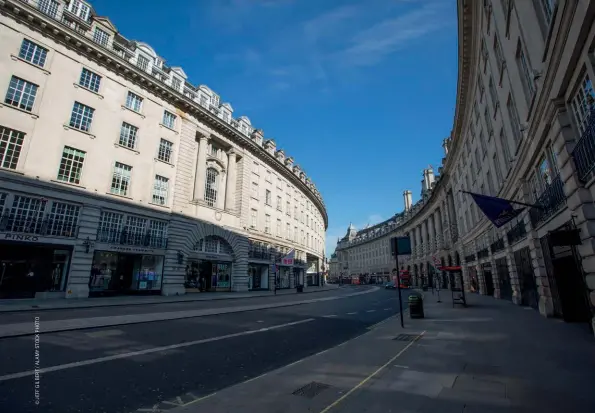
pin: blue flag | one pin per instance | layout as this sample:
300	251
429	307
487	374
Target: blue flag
498	210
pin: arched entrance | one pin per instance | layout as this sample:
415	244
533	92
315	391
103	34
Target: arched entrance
209	266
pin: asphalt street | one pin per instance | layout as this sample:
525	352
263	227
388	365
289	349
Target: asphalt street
93	370
65	314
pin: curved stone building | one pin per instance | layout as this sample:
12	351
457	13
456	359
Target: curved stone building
524	131
118	175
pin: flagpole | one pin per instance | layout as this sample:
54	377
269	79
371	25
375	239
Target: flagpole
507	200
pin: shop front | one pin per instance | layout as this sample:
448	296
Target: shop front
208	275
284	276
126	270
258	276
31	266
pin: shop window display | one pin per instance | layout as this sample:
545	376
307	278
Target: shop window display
125	272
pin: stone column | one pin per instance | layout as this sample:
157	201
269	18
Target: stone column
201	169
230	192
431	238
411	236
438	229
418	245
424	238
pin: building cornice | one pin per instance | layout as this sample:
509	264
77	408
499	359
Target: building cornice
30	16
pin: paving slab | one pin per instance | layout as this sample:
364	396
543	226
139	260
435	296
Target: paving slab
512	360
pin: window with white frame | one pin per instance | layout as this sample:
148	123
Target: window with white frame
488	121
49	7
505	149
267	199
71	165
477	159
267	223
169	119
515	123
134	102
135	230
279	234
499	55
476	112
288	231
26	215
165	150
176	83
121	179
490	183
81	117
21	94
255	168
160	190
288	208
128	135
498	169
90	80
581	104
80	9
268	176
211	186
253	218
157	234
101	37
11	143
33	53
142	62
484	54
110	227
527	77
480	88
63	219
493	94
215	100
213	151
254	192
279	202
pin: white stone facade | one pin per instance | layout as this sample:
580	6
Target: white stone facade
102	140
522	131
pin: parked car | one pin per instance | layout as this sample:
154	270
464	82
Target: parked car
390	285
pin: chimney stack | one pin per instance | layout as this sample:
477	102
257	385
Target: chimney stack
407	200
445	145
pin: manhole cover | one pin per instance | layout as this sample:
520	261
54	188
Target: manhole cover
405	337
311	390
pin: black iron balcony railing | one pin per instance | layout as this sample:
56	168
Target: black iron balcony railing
470	258
259	254
484	253
132	238
584	151
516	233
45	227
551	200
498	245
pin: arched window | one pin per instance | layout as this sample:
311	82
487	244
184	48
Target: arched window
211	185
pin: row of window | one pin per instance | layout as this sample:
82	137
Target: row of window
304	238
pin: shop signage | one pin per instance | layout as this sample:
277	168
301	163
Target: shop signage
140	250
212	257
287	261
20	237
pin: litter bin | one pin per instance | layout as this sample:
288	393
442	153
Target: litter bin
416	306
300	288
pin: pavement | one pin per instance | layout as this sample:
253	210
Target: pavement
127	368
14	324
488	358
36	304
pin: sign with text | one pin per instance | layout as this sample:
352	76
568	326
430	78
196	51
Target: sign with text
19	237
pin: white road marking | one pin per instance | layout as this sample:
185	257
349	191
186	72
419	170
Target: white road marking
387	309
146	351
370	311
260	321
355	312
329	316
402	367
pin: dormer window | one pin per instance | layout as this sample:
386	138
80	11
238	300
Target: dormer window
176	83
49	7
203	100
226	116
79	9
101	37
142	62
215	100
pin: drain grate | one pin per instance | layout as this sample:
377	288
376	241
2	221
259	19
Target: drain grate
311	390
405	337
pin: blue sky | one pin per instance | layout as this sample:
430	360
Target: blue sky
360	92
